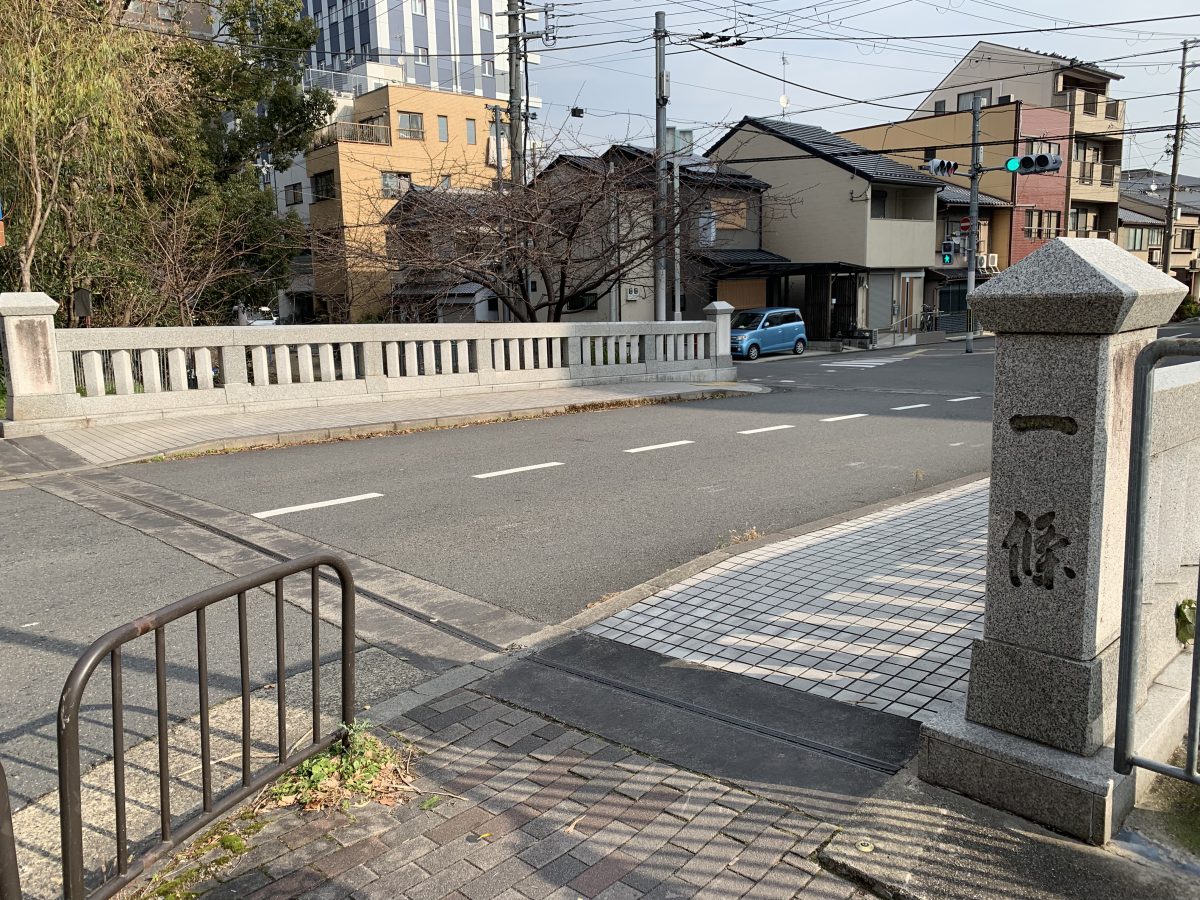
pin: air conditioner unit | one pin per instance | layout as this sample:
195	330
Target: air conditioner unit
980	261
1155	256
993	261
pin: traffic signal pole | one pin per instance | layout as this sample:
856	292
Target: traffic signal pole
973	236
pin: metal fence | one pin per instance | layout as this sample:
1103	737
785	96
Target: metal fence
10	882
172	833
1125	752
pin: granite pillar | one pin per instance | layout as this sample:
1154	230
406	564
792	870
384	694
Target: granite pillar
27	340
1069	322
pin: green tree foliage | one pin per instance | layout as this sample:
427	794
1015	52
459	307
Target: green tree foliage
154	200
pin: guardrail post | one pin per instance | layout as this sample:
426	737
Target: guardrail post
1069	320
31	362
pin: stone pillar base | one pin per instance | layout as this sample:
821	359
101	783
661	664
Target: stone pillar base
1065	703
1080	796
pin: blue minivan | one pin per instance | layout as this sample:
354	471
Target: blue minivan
771	329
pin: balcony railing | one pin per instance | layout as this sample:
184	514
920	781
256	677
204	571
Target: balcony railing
354	132
1092	107
1110	173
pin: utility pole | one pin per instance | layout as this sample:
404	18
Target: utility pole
495	109
1169	233
973	235
516	99
662	84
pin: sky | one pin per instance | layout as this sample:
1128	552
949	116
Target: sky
603	61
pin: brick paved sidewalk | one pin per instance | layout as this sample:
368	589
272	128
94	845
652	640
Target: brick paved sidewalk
107	444
543	811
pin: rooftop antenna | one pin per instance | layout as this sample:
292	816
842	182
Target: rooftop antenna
784	102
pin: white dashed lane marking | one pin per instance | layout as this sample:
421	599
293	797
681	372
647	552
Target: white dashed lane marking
658	446
283	510
770	428
844	418
910	406
518	469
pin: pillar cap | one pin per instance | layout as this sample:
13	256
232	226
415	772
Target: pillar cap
718	306
1077	286
32	303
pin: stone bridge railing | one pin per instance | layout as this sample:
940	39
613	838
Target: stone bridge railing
71	378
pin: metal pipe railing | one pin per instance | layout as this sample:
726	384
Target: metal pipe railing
172	833
10	877
1125	755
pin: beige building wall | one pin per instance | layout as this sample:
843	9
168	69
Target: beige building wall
1006	70
814	211
357	158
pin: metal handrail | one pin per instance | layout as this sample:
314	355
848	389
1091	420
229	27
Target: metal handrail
10	876
69	779
1125	755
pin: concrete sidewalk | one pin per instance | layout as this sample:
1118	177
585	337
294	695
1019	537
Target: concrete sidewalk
127	442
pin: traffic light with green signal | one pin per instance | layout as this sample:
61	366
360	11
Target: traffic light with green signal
1034	164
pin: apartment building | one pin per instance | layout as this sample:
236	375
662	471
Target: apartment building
447	45
1091	145
1039	203
856	229
391	138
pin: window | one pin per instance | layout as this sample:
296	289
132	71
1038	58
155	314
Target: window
790	318
939	107
878	204
729	212
1135	239
708	228
445	182
418	7
773	320
1033	147
471	131
488	67
1185	239
582	302
393	184
1154	237
443	129
930	153
1043	223
485	22
533	288
966	99
421	55
322	186
293	194
410	125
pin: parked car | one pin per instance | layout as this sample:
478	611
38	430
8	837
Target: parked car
771	329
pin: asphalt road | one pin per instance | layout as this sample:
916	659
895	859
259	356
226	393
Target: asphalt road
547	541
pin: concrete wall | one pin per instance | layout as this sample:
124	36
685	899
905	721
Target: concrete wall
79	377
1173	520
